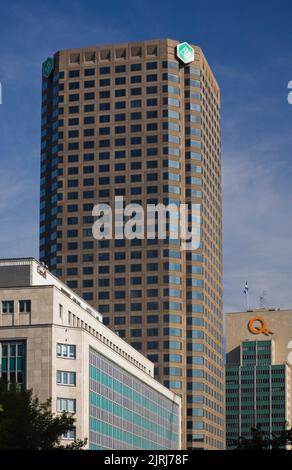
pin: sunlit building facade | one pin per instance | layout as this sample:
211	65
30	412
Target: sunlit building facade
141	121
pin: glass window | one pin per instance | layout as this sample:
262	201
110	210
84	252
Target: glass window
172	345
172	358
67	351
89	108
136	103
104	70
136	115
136	307
7	306
66	404
151	65
24	306
89	72
172	371
136	319
136	91
152	331
120	320
66	378
120	68
172	384
120	92
74	73
136	79
12	362
136	333
135	67
104	82
152	345
168	64
151	78
152	319
69	434
153	357
172	332
104	106
137	345
172	319
89	84
73	109
120	80
74	97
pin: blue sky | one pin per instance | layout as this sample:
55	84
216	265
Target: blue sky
249	46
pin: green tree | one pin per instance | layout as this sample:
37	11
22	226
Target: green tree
27	424
260	441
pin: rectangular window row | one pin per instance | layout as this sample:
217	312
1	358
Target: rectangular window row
8	306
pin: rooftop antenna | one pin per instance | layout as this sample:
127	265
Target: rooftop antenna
263	298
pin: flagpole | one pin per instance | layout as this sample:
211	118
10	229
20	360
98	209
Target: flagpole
246	293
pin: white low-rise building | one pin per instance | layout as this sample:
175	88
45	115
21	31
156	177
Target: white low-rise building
53	342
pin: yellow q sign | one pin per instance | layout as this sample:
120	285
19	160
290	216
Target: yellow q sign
260	327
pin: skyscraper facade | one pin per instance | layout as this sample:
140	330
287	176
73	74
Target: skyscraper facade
141	121
258	373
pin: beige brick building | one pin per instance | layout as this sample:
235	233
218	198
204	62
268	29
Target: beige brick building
135	120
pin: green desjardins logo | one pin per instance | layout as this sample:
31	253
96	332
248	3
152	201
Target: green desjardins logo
48	67
185	52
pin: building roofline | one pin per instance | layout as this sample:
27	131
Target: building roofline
31	260
257	310
26	258
118	44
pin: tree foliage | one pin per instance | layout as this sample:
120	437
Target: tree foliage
27	424
260	441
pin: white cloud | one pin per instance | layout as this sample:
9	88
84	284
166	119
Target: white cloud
257	226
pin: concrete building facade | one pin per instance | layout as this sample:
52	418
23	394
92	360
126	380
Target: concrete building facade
53	342
141	121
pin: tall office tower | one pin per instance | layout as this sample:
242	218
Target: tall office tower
258	372
141	121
